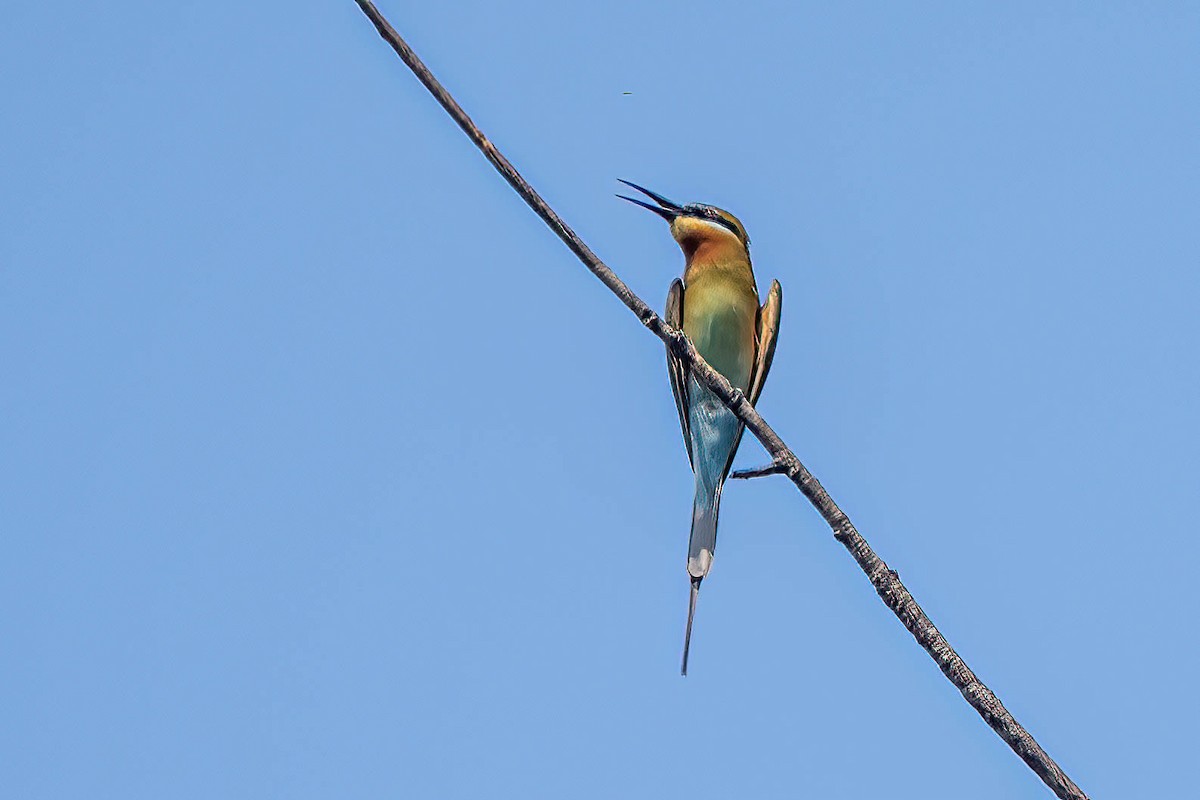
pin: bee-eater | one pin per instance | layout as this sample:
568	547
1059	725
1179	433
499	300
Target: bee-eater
716	305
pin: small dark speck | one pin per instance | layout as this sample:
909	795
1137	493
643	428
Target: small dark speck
626	92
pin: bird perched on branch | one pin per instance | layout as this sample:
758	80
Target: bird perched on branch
717	307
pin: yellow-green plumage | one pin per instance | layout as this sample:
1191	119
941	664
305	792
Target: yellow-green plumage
720	317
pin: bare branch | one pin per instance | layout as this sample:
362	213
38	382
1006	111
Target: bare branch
758	472
886	581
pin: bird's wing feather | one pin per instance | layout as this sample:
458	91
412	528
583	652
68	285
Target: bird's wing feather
768	332
675	367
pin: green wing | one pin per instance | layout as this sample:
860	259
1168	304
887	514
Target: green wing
675	367
768	332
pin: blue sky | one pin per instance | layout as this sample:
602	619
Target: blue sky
328	472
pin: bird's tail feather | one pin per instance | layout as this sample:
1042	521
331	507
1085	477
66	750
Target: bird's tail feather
703	541
700	551
687	636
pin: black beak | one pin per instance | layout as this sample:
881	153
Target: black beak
666	209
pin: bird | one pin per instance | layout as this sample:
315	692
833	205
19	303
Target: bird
716	305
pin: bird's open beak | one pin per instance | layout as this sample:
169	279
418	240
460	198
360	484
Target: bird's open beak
666	209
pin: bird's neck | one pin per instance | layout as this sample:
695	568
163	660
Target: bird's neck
715	256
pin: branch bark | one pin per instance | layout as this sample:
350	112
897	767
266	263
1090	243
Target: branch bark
758	472
885	580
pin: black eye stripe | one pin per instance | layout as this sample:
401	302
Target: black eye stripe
710	214
717	218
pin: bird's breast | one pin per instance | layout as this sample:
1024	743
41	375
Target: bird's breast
719	316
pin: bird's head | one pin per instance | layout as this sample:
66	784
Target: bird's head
696	225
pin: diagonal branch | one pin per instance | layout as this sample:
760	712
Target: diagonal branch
886	581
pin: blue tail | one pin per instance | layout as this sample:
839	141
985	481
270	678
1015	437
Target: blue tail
700	548
715	432
703	541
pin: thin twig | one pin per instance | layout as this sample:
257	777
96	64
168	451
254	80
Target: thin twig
886	581
758	472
